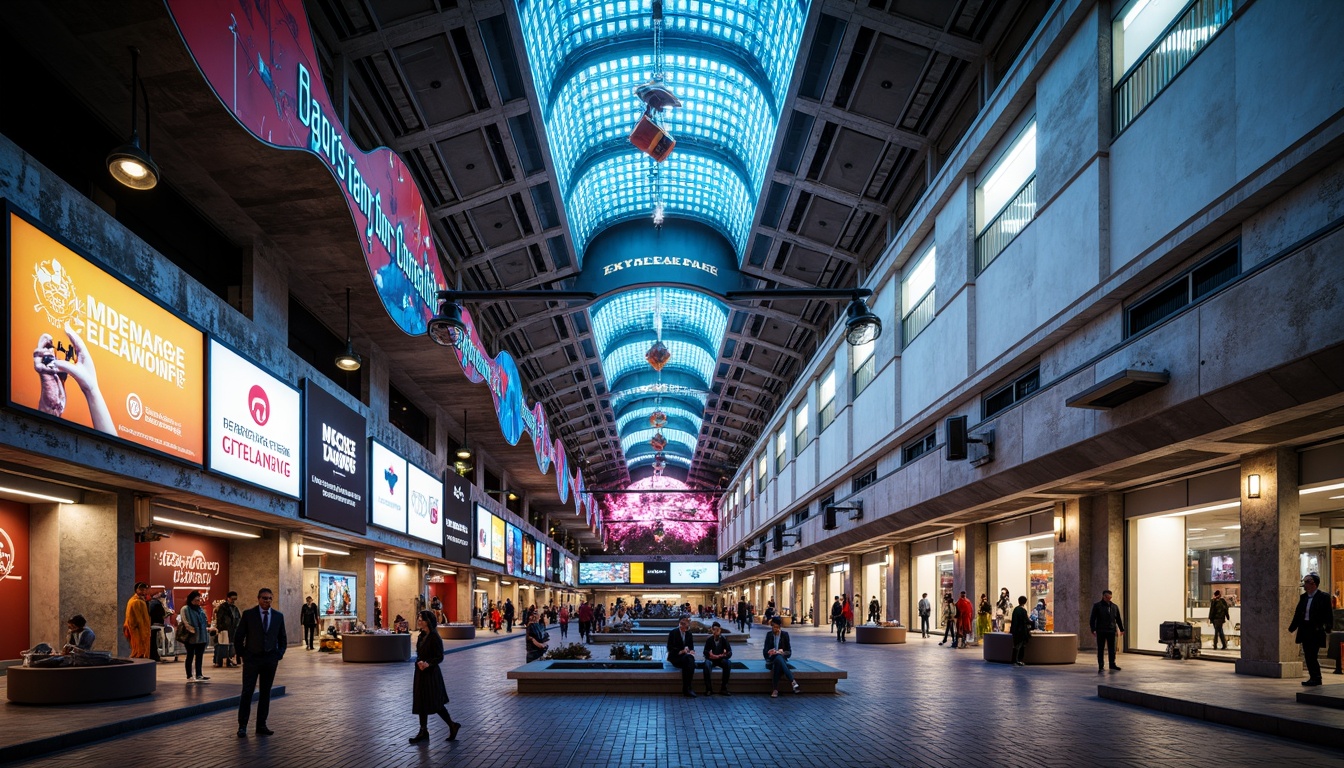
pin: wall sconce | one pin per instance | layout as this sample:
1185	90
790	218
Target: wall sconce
954	545
1252	486
1059	527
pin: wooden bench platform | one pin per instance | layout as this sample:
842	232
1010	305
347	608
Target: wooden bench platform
612	676
868	633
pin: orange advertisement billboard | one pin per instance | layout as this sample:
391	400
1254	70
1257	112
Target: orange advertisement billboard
88	349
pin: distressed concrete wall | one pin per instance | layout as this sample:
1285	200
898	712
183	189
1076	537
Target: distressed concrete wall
1270	526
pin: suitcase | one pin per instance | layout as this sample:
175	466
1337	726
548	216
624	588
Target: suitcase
1176	631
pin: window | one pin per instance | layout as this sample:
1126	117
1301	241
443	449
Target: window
1005	201
917	296
781	450
762	470
863	480
746	487
1199	283
826	401
800	517
863	365
920	447
1011	393
800	429
403	415
1153	40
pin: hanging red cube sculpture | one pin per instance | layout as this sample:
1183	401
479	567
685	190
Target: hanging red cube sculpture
658	419
652	140
658	442
658	355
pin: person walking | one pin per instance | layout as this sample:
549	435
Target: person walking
925	608
949	619
564	621
191	620
585	620
1002	608
1020	627
965	615
136	627
742	613
777	651
428	694
1106	623
874	610
847	615
1312	619
308	618
508	614
226	626
1218	613
261	642
838	619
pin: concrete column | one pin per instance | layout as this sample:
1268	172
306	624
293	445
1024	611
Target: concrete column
271	562
82	561
403	586
1088	561
821	603
970	565
466	577
898	581
854	586
1270	526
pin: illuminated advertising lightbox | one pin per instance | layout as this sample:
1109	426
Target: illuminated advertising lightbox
695	573
516	537
499	538
543	562
387	492
529	555
484	530
457	520
604	573
657	573
425	505
334	461
336	595
68	316
511	555
254	423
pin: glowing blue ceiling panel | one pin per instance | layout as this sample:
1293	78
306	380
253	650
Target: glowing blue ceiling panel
682	311
730	63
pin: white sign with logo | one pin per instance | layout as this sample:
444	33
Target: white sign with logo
388	482
254	423
425	505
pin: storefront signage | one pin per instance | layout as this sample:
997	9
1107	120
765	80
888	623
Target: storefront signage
254	423
183	564
387	487
334	461
68	315
457	520
264	69
424	494
506	388
681	252
14	579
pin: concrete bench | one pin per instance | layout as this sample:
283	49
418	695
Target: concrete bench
81	685
1044	648
457	631
657	639
601	676
375	648
868	633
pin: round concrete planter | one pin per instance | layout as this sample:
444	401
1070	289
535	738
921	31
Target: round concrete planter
81	685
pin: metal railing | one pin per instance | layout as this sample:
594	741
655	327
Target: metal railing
1165	58
1014	218
917	319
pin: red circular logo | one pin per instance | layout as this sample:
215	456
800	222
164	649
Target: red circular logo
259	405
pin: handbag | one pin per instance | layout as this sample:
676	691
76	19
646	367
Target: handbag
184	632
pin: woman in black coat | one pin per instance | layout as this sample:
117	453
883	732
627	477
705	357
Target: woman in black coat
429	696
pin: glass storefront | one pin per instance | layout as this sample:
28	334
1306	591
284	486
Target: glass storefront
874	585
933	575
1025	567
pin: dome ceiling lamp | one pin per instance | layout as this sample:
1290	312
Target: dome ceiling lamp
130	165
349	360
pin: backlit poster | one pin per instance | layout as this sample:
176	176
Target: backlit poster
335	458
484	530
387	493
68	315
529	555
516	536
15	580
695	573
336	595
498	539
604	573
254	423
543	562
511	547
424	506
457	518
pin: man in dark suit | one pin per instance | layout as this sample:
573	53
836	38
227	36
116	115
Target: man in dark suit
718	653
1105	623
681	654
261	642
1312	621
742	617
777	652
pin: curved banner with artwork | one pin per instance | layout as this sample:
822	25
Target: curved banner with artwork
259	60
506	389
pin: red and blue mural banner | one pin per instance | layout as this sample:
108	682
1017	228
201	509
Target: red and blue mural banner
258	57
501	374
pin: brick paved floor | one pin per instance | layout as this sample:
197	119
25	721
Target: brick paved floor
910	705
